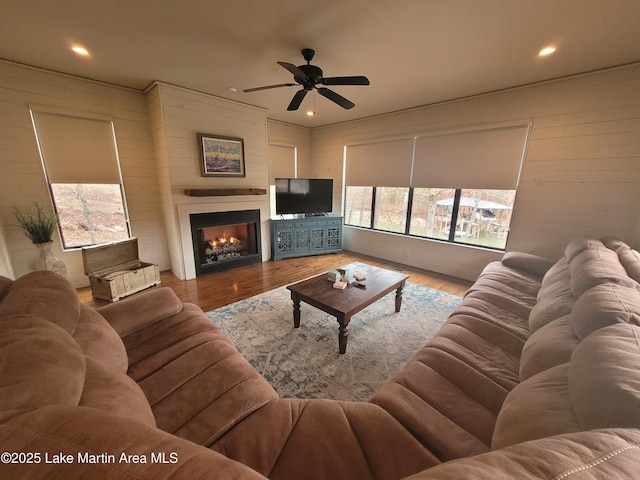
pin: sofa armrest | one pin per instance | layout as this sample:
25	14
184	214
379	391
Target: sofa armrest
140	310
528	263
613	453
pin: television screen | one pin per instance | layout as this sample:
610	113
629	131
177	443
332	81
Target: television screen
304	195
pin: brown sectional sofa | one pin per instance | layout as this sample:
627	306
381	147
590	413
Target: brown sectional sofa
535	375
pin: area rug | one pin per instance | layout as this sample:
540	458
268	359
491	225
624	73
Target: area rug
304	362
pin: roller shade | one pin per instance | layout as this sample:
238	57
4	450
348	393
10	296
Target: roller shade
382	164
77	149
282	162
483	159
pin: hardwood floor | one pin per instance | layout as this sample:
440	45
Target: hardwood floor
219	289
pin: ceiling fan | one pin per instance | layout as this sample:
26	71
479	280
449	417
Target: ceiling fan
308	76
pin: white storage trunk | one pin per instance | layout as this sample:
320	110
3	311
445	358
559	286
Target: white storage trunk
115	271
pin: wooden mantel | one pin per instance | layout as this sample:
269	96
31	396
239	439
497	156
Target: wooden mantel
223	192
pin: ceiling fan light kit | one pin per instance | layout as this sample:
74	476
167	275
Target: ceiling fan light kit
309	77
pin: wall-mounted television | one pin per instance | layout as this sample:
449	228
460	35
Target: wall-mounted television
311	196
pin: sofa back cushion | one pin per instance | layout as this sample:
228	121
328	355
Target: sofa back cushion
547	347
598	388
115	392
5	283
604	378
49	296
595	266
578	245
538	407
554	297
603	305
41	365
630	260
99	340
45	295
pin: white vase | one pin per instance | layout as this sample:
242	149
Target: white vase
48	261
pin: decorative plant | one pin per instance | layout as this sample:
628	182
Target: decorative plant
37	224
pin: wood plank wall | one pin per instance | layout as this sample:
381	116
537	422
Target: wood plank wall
581	174
22	180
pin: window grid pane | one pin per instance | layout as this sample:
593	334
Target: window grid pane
90	213
484	217
431	212
391	209
358	202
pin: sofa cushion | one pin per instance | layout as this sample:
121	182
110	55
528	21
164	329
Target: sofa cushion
115	392
554	297
630	260
604	378
95	434
196	382
556	277
595	266
538	407
547	347
578	245
41	365
325	439
5	283
613	243
99	340
45	295
550	308
603	305
594	455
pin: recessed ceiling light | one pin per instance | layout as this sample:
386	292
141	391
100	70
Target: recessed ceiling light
546	51
80	50
310	113
232	89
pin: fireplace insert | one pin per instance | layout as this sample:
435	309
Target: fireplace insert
225	240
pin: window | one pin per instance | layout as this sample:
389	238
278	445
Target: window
89	213
282	164
458	187
431	212
474	217
391	209
358	203
80	161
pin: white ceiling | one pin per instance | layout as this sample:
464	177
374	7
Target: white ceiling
414	52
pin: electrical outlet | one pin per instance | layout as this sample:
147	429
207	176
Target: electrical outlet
407	252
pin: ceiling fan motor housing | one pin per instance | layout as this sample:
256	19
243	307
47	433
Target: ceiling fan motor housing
313	73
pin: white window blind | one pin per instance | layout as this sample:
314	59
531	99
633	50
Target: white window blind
77	149
282	162
482	159
381	164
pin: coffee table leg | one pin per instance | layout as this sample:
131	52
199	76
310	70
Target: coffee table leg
399	297
296	310
343	334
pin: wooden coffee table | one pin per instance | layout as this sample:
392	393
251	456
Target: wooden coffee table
343	304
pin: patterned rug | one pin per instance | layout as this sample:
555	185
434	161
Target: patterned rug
305	363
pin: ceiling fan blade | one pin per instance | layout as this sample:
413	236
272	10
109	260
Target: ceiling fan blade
293	69
268	87
297	100
334	97
357	80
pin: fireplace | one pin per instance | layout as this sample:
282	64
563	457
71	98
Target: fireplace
225	240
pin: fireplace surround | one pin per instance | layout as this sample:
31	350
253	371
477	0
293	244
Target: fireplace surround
225	240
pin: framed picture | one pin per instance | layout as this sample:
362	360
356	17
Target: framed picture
221	156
